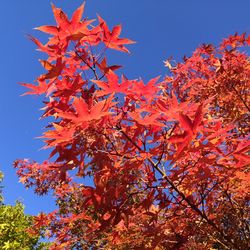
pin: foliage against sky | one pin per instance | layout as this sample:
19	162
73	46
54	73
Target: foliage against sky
168	158
163	29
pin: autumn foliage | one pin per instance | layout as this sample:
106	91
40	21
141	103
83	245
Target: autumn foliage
134	165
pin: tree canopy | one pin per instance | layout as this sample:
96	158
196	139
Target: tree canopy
168	159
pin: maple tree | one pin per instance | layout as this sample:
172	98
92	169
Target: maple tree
134	165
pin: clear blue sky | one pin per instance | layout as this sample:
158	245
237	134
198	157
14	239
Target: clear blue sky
162	28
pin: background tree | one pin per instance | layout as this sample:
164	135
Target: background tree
14	226
162	165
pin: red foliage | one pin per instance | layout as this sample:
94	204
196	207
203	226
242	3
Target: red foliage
169	161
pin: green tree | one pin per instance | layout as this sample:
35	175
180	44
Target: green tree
13	227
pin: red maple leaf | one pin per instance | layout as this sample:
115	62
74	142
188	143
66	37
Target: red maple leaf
189	128
65	27
85	112
40	89
111	38
112	84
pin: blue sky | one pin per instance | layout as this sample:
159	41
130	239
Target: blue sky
162	28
